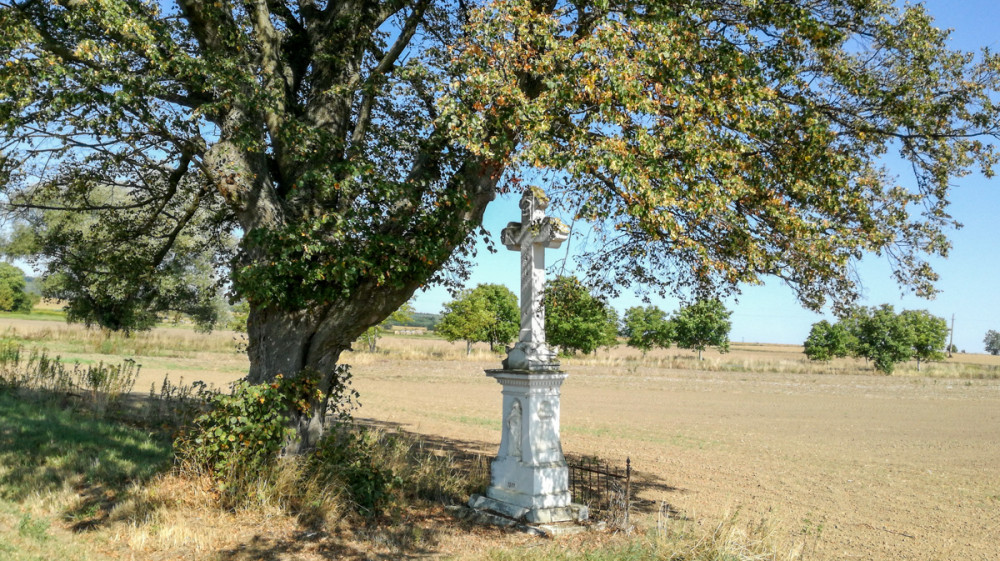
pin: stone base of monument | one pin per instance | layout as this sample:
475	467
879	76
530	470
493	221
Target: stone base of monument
553	530
532	515
529	479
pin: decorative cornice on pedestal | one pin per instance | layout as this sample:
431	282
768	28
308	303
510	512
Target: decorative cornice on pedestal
524	379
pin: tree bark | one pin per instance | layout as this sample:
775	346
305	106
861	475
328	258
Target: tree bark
292	342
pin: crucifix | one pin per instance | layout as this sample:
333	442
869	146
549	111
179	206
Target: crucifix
529	478
531	237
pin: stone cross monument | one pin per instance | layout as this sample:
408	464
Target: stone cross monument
531	237
529	479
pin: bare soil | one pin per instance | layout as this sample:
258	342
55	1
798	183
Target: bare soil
846	465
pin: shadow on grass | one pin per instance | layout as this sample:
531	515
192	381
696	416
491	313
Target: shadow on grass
471	454
44	448
398	541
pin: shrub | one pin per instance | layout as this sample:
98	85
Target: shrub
240	437
354	459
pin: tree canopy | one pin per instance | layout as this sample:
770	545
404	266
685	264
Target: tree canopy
646	327
827	341
355	144
487	313
702	324
13	297
992	342
881	336
714	143
928	334
575	319
115	272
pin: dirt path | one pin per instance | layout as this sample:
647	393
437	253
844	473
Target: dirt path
848	467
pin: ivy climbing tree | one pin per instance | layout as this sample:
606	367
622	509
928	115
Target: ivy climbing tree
354	145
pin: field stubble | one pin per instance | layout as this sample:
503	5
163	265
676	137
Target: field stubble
846	464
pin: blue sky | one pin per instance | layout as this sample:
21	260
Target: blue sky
970	276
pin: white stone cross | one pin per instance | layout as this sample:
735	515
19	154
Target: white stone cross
531	237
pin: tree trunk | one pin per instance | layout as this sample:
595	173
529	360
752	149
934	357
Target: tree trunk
468	348
290	343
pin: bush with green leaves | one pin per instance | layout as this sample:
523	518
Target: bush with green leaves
13	297
242	434
353	459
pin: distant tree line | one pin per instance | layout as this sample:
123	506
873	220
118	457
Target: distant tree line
577	320
880	336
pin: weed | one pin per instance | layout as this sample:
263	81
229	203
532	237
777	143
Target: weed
33	529
103	383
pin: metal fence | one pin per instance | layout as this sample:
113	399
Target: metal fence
605	489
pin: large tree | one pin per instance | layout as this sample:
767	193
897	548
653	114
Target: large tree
356	144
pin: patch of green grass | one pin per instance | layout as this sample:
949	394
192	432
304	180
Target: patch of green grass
33	529
45	315
43	448
26	537
46	450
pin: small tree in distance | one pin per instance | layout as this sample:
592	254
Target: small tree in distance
575	319
371	335
882	337
928	335
701	325
827	341
647	327
13	297
992	341
487	313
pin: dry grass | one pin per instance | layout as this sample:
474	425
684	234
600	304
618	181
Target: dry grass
178	516
743	357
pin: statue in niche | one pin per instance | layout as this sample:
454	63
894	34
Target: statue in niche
514	430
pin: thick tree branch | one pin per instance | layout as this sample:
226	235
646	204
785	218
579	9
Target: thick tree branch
384	66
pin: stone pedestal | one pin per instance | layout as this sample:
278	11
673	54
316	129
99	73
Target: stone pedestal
529	477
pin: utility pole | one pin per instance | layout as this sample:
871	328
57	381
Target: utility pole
951	336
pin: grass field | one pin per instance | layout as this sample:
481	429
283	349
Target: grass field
758	449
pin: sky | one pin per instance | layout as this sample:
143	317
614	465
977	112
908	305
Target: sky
969	278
